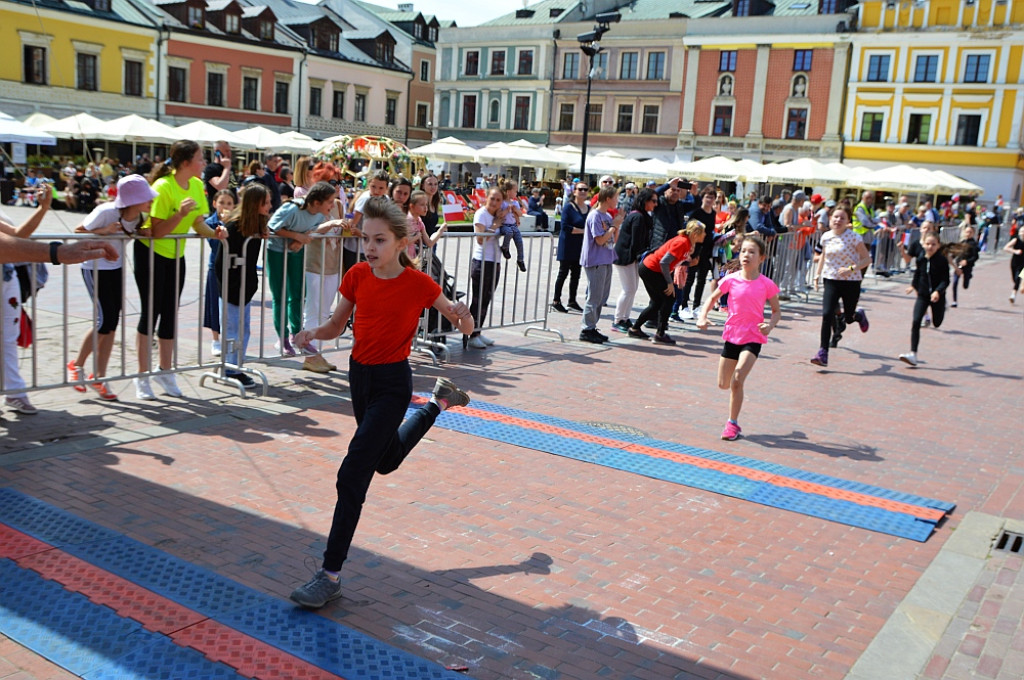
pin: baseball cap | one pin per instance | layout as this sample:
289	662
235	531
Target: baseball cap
606	178
816	198
133	190
630	185
830	203
799	195
652	183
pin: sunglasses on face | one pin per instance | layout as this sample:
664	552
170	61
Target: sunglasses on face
333	182
582	189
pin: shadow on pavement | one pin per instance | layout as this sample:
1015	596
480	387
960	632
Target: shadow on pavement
799	441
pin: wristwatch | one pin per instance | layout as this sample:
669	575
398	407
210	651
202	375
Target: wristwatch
53	251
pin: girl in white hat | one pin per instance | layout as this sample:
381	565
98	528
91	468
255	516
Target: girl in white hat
104	280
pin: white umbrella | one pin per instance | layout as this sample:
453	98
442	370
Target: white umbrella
12	130
38	120
78	126
301	143
567	153
208	133
713	168
519	153
751	170
897	177
610	163
448	149
133	128
805	172
948	182
263	139
655	167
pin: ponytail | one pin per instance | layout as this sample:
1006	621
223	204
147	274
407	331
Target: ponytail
181	152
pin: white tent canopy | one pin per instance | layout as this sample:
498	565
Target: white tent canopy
301	143
263	139
12	130
38	120
78	126
133	128
712	168
208	133
519	153
897	178
447	149
611	163
805	172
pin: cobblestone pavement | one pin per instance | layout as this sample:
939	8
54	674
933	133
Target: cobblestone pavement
520	564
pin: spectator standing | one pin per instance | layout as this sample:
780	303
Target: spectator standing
634	240
269	179
570	245
697	279
217	175
596	259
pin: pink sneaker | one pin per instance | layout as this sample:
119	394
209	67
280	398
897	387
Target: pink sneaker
732	431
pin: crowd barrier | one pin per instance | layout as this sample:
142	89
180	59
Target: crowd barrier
519	299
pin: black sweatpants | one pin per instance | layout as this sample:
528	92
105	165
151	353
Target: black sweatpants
834	291
921	307
660	305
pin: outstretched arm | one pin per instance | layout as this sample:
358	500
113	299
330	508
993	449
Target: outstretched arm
331	328
456	312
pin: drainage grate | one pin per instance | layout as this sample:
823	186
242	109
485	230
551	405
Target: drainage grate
613	427
1010	542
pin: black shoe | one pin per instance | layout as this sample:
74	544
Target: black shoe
663	339
602	336
558	307
574	306
637	333
506	253
521	265
243	378
651	324
591	335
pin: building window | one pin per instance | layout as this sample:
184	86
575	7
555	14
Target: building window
35	65
498	63
627	65
87	72
926	68
360	108
417	30
968	128
196	17
101	5
250	93
571	66
796	124
214	89
650	125
316	97
624	121
266	30
656	66
385	52
723	121
742	8
425	71
595	116
871	127
802	60
522	116
472	63
919	128
338	105
976	70
599	70
280	97
829	7
133	78
525	62
566	116
391	111
231	22
177	84
495	111
432	34
878	68
469	111
727	60
422	115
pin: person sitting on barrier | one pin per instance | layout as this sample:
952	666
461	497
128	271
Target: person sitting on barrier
634	240
745	329
596	259
388	294
104	279
657	272
180	206
509	229
17	397
247	227
570	244
486	265
293	223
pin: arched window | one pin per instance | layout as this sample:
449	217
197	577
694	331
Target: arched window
494	111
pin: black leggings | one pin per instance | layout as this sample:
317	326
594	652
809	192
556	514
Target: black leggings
968	273
165	292
849	293
921	307
380	397
572	270
483	279
106	289
660	305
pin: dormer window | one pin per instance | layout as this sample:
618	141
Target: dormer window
432	34
324	39
266	30
385	52
417	31
231	23
196	17
101	5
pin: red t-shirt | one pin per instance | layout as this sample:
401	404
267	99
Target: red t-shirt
680	248
387	311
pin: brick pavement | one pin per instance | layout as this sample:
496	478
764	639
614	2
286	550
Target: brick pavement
524	565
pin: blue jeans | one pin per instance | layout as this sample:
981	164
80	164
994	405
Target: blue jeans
234	351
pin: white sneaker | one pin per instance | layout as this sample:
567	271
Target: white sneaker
22	405
215	348
487	340
477	343
1013	297
909	358
687	314
143	390
168	384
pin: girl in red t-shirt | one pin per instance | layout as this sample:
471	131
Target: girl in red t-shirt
656	272
388	294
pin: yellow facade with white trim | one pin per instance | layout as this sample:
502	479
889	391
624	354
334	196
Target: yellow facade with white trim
918	94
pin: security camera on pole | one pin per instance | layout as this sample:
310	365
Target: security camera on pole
590	43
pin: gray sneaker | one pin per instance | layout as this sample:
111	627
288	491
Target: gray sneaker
319	591
446	389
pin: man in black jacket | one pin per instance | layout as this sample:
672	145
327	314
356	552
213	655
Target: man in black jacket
669	216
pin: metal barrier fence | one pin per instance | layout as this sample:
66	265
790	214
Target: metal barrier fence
517	299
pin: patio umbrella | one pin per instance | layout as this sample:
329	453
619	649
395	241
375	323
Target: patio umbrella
263	139
133	128
301	143
949	183
448	149
610	163
656	168
898	178
12	130
805	172
712	168
209	134
38	120
79	126
519	153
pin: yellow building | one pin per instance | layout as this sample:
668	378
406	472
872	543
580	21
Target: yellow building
938	84
96	55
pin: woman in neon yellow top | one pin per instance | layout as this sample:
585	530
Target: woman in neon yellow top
180	205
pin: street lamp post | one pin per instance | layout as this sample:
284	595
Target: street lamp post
590	44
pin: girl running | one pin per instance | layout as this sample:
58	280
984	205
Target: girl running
1016	248
509	229
963	263
745	329
843	256
104	278
389	294
246	226
931	278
